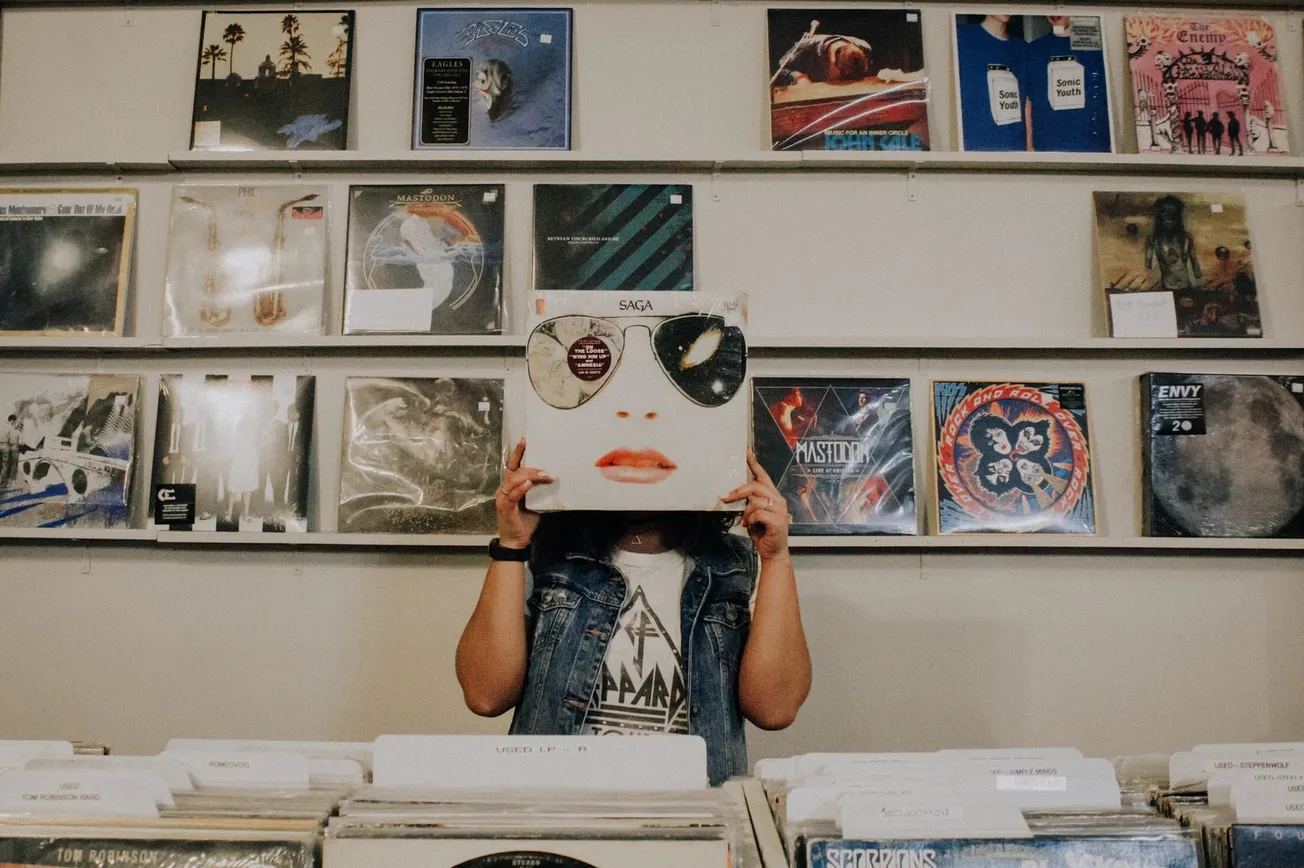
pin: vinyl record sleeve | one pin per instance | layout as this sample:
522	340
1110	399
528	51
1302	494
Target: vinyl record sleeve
246	259
846	79
425	259
67	260
840	451
1222	455
1206	86
1267	846
1012	458
243	442
67	449
421	455
637	401
273	80
1057	852
534	852
1032	83
160	852
492	78
613	236
1183	257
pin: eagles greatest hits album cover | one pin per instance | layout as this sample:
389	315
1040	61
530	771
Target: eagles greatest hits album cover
840	451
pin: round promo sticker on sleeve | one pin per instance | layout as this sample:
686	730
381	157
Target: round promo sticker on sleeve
1066	83
589	358
1003	93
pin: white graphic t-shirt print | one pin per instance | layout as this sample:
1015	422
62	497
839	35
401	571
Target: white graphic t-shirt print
641	688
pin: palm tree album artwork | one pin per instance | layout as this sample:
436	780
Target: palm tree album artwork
273	81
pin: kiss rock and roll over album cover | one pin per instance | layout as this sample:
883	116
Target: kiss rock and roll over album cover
67	449
237	448
421	455
492	78
246	258
1176	265
425	259
840	450
65	260
637	401
1206	86
1032	83
847	80
1222	455
1012	458
613	236
273	81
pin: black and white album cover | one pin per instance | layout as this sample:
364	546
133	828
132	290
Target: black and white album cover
273	81
246	258
65	259
67	448
243	442
421	455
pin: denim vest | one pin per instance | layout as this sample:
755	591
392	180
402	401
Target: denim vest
572	612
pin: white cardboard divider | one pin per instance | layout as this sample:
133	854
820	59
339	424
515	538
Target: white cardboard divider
14	754
1274	804
1188	769
1037	785
326	771
812	764
824	802
255	769
940	816
650	762
1014	754
773	769
172	773
1277	772
1251	747
39	792
359	751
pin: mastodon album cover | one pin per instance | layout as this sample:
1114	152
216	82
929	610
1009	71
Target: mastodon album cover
1206	86
847	80
425	259
1012	458
421	455
839	450
243	443
65	260
67	449
492	78
613	236
1222	455
273	80
1176	265
245	258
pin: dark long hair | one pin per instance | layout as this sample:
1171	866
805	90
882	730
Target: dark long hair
595	534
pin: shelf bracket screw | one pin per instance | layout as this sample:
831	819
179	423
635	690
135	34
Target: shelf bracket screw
1299	191
298	562
912	194
86	559
715	180
715	13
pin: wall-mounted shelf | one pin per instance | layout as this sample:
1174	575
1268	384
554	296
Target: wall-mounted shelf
74	535
1047	542
324	540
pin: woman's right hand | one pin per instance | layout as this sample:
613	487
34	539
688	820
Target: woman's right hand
516	524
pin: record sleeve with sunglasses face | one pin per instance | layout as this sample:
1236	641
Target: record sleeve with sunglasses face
246	259
637	401
613	236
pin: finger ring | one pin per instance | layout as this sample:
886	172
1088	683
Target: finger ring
769	503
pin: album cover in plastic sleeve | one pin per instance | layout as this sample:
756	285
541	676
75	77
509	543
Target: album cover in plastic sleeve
1222	455
66	260
78	851
616	379
492	78
840	450
425	259
67	449
1176	265
613	236
847	80
1032	83
1266	846
421	455
1012	458
1206	86
273	80
538	851
242	442
246	258
1050	852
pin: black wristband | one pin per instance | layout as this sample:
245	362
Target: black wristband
500	552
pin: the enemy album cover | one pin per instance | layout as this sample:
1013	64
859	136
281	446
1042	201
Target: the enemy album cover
67	448
1176	265
1206	86
847	80
840	450
613	236
273	81
421	455
246	258
1032	83
1222	455
65	259
492	78
243	443
1012	458
426	259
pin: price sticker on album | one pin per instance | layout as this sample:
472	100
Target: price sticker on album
1003	93
1066	83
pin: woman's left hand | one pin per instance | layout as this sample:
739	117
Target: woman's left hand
766	514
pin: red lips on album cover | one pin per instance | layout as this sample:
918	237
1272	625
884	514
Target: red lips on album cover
629	465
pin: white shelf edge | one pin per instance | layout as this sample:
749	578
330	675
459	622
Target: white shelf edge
309	342
72	534
77	342
325	540
1141	164
1043	541
823	343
